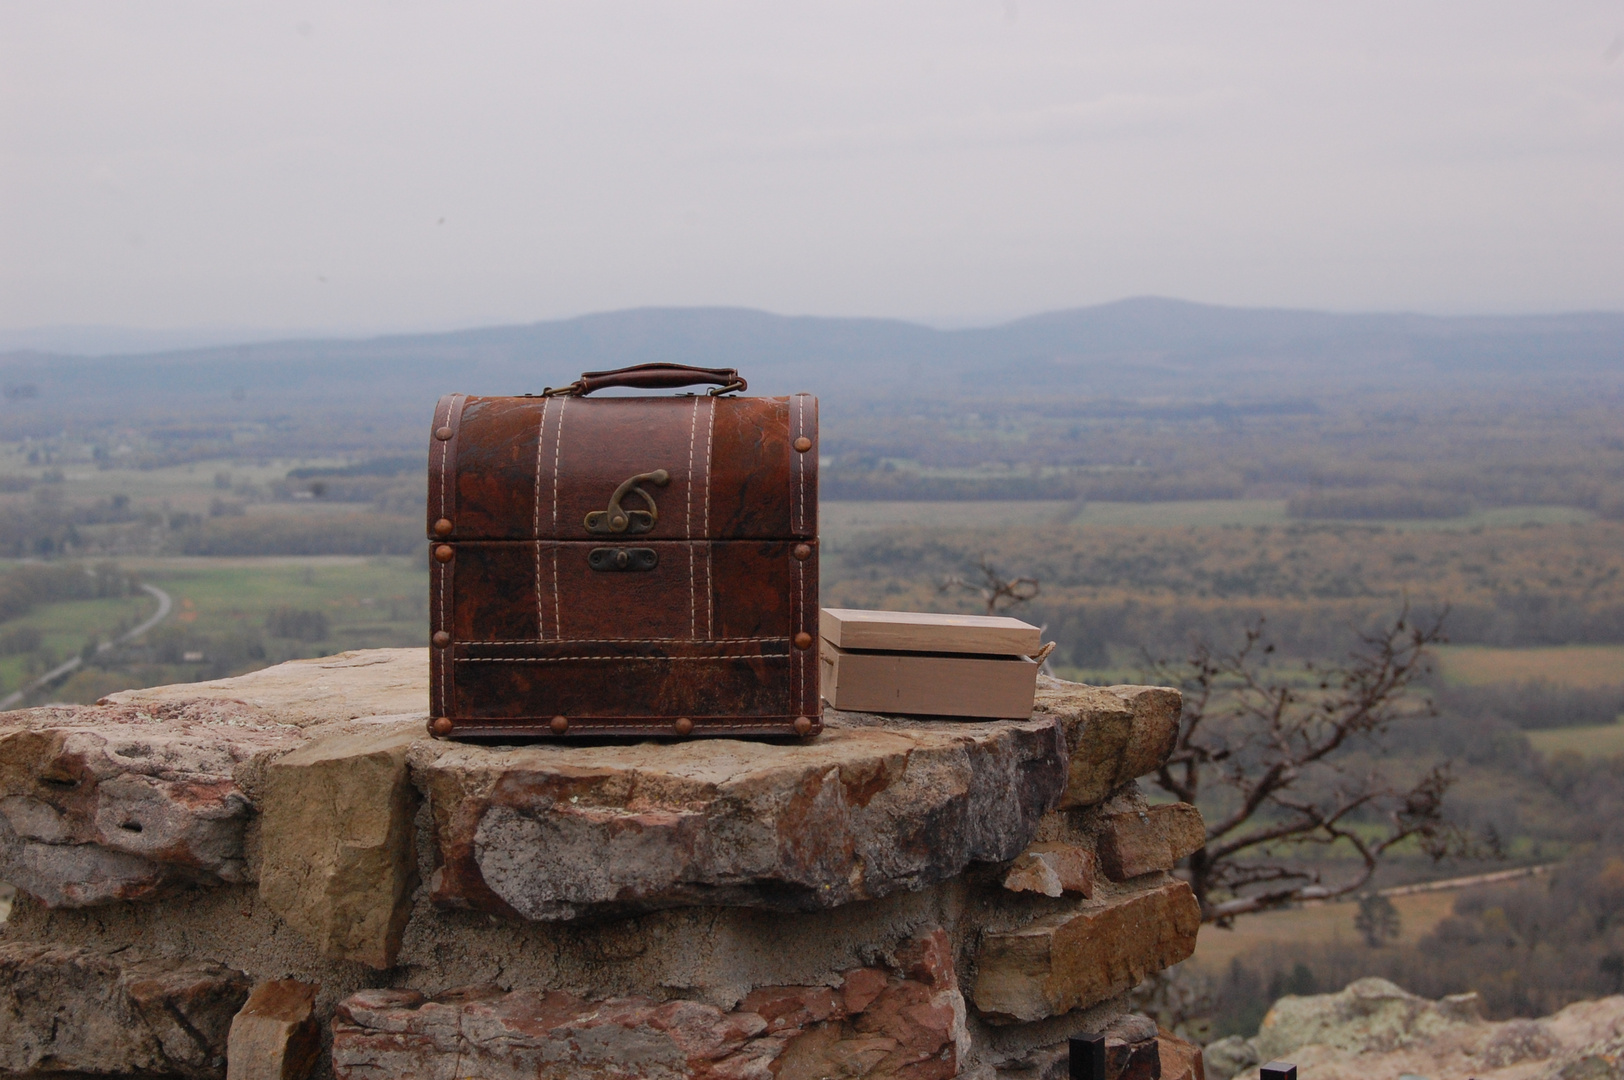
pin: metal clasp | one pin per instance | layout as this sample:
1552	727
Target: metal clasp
622	560
619	520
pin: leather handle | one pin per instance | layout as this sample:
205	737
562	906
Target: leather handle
653	377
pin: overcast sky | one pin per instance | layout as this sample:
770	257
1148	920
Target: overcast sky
370	166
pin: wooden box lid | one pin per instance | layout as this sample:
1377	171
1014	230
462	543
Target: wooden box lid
923	631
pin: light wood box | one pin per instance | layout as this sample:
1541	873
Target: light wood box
926	631
920	664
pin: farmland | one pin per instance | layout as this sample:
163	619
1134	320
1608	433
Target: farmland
1594	666
230	616
842	519
1597	740
1254	936
1157	493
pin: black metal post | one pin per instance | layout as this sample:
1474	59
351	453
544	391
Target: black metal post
1088	1057
1278	1070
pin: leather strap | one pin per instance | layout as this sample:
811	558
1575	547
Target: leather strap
653	377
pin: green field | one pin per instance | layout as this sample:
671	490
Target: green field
1581	666
1313	923
1183	514
65	628
186	488
224	620
840	520
1603	740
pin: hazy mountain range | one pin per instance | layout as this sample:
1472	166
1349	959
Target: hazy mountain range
1145	349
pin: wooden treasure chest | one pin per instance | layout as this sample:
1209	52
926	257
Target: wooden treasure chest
625	565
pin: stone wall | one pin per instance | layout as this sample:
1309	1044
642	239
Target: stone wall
894	898
1372	1028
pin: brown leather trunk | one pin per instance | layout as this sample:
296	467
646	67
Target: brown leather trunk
624	565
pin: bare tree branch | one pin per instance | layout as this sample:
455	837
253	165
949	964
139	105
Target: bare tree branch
993	587
1267	748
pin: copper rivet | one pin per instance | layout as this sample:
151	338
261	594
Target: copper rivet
443	552
560	724
443	725
803	725
443	527
803	640
802	551
441	639
441	433
683	725
803	444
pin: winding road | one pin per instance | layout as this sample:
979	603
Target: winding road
165	604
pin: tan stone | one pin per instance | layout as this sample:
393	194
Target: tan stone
871	807
1374	1029
1156	712
1113	734
337	842
1052	869
275	1035
1156	838
304	693
1077	958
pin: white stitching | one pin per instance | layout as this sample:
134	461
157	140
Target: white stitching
764	725
688	525
541	437
558	450
800	458
710	546
619	640
800	666
800	564
568	659
445	449
440	573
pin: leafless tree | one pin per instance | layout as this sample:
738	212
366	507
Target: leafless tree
1269	751
994	588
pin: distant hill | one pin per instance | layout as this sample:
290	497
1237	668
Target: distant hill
1142	349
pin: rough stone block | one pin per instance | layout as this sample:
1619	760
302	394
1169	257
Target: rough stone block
1156	712
1052	869
1143	841
99	805
1368	1016
275	1036
73	1011
1180	1060
1076	958
1113	734
869	808
337	856
906	1022
351	685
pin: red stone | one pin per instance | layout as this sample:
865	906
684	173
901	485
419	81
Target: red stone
906	1024
99	805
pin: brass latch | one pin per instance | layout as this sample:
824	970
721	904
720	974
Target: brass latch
619	520
623	560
